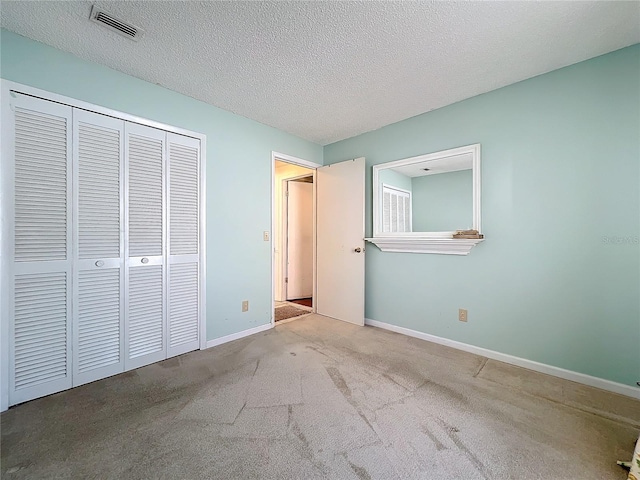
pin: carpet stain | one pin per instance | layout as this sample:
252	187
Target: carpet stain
361	472
452	432
439	445
306	446
341	384
482	364
445	391
170	363
388	377
317	350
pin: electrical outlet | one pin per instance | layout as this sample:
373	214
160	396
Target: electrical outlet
462	315
265	236
245	306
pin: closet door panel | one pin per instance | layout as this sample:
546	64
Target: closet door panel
98	325
145	328
184	311
42	155
99	248
184	233
41	346
146	195
146	311
184	165
39	309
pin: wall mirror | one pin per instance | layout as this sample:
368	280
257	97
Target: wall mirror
420	204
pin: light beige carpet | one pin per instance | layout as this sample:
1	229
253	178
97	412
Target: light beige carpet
322	399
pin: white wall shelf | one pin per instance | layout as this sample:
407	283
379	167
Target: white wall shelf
426	244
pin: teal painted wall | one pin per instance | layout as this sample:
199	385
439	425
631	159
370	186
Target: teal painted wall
558	278
443	202
238	184
395	179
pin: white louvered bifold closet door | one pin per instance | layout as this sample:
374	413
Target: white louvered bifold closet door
145	328
184	241
40	278
396	210
98	329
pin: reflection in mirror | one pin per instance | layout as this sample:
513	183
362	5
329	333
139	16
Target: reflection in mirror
437	193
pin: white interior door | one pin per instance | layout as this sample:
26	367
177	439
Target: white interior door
98	327
145	328
340	241
299	240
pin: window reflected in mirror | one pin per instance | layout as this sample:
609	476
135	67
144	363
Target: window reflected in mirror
433	193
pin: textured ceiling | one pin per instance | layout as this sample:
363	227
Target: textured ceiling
326	71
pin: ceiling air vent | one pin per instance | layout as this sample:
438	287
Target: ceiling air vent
115	24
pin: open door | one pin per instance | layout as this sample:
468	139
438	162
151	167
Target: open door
340	241
299	239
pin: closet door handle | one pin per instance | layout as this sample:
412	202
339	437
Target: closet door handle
99	263
144	260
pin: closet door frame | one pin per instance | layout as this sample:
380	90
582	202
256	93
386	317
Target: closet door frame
6	208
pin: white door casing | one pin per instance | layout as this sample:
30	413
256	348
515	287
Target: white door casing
299	240
340	240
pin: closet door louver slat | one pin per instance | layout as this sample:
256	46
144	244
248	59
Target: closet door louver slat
183	199
40	348
145	320
145	196
98	192
183	304
40	186
98	319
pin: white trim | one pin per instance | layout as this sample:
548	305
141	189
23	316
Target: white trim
6	253
203	242
302	163
425	244
236	336
72	102
577	377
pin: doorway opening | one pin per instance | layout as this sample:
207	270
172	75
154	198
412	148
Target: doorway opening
294	236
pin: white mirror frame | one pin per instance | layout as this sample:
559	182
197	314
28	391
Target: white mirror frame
427	242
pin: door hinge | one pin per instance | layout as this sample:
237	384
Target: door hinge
286	280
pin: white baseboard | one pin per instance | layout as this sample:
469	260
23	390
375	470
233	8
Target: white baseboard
239	335
601	383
